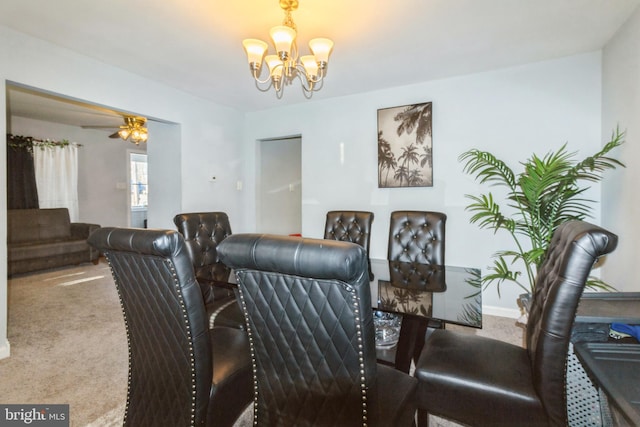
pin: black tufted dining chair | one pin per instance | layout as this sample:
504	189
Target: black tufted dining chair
203	232
181	373
486	382
417	236
350	226
307	304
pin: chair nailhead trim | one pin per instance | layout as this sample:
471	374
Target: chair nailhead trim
363	384
192	364
254	366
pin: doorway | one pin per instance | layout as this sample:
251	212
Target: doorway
279	186
139	189
43	114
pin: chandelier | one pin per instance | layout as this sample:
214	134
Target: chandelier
286	65
134	130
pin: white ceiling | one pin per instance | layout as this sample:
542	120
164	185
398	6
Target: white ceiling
196	45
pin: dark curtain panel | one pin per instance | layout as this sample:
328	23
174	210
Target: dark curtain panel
21	176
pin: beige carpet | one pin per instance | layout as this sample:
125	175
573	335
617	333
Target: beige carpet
68	345
68	342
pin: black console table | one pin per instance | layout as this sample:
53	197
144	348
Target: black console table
615	368
586	399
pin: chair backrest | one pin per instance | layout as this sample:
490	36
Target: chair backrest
349	226
203	232
574	248
308	311
170	359
417	236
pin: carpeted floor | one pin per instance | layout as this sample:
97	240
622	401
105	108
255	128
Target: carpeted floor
68	345
68	342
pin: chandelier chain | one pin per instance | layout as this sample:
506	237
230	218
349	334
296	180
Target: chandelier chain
288	20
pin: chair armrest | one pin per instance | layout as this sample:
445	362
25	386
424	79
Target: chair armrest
82	230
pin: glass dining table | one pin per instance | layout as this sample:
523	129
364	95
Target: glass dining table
425	296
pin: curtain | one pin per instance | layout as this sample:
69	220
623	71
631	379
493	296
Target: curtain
56	170
22	192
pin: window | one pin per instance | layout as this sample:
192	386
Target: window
139	182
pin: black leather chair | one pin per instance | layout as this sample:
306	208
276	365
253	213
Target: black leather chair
202	232
417	236
181	373
308	312
350	226
485	382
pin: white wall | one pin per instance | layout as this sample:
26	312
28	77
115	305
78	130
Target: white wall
621	106
209	135
164	175
102	164
511	112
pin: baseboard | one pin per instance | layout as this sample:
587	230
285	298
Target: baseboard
5	350
512	313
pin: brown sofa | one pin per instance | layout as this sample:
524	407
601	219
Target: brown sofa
39	239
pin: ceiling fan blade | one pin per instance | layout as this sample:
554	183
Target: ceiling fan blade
98	127
114	135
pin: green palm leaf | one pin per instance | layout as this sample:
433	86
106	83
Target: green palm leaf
545	194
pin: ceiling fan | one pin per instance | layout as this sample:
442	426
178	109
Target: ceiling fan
133	129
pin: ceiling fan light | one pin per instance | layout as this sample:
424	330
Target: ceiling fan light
124	133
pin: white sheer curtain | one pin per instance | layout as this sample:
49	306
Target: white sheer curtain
57	177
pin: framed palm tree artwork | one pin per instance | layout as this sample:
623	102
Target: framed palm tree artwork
405	146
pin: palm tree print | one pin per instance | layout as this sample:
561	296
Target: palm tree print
386	159
405	146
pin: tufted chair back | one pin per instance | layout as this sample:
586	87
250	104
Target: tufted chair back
417	236
172	379
350	226
422	277
573	250
308	312
202	232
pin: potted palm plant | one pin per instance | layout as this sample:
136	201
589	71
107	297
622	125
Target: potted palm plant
548	191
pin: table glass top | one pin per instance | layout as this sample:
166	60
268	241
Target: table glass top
447	293
444	293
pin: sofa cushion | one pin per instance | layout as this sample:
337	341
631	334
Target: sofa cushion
32	250
37	225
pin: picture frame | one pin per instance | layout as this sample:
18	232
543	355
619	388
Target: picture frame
405	146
